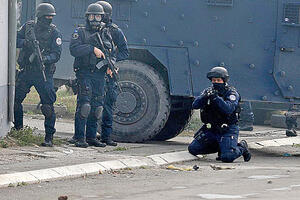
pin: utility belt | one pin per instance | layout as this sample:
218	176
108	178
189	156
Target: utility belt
50	69
30	68
89	69
217	128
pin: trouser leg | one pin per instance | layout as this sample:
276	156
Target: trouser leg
22	88
83	107
48	97
229	148
204	143
96	106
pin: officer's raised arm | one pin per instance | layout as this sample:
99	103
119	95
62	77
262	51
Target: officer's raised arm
230	104
200	101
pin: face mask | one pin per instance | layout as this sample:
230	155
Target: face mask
94	21
44	22
220	87
106	19
95	24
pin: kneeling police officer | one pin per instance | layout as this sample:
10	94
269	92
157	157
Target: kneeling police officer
219	105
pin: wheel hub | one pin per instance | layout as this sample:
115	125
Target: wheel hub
131	103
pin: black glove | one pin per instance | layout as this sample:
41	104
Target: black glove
211	93
213	96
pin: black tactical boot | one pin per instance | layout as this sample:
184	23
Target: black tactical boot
95	142
81	143
109	142
218	158
246	153
48	140
72	140
17	127
291	133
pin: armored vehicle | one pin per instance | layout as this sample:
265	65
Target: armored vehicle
174	43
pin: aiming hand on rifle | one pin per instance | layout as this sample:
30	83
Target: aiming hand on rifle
110	73
98	53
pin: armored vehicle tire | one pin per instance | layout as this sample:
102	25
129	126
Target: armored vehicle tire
143	106
177	121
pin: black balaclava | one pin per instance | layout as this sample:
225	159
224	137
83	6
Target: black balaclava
107	19
43	22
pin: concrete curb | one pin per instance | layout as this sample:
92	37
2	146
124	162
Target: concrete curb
81	170
275	142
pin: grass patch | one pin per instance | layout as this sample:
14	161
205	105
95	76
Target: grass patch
296	145
120	149
65	97
194	124
25	137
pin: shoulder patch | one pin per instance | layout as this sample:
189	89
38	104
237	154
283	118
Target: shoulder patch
232	97
75	35
58	41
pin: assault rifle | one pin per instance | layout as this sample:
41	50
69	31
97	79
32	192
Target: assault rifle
36	52
106	47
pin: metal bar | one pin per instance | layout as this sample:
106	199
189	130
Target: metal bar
12	34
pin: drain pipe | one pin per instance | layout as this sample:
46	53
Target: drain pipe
12	34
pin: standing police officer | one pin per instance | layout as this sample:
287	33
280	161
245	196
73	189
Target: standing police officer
219	106
90	78
122	53
31	73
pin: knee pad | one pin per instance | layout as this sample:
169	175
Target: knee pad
192	150
85	110
98	112
227	157
47	110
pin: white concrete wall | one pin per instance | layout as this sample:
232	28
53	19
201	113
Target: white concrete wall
4	125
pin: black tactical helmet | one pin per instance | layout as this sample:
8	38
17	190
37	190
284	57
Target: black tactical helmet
218	72
106	6
95	9
45	9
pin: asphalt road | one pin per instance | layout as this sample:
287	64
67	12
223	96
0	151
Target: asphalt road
266	176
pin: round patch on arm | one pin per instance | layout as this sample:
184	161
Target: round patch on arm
232	97
75	36
58	41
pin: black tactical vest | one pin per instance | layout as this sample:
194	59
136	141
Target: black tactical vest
213	115
44	38
88	62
